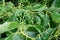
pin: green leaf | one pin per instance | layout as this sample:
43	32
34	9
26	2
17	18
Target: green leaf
38	37
47	33
44	20
31	34
19	12
37	20
49	2
7	26
31	31
39	28
56	3
22	1
39	7
13	37
53	8
27	17
55	17
13	25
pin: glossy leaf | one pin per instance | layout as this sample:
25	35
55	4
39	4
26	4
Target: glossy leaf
7	26
55	16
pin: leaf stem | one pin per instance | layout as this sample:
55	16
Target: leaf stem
3	2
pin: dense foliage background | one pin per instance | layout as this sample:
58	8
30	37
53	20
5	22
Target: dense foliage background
30	20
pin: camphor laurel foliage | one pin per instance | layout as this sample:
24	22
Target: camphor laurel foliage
30	20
